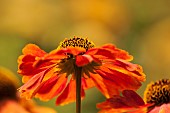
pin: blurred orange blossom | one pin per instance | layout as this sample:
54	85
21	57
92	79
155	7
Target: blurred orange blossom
10	102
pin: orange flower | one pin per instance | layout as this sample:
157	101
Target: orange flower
156	96
9	100
47	75
158	93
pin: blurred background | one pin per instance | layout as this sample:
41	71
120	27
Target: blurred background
140	27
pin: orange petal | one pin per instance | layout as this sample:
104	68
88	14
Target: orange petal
130	102
125	74
52	87
124	110
56	54
30	59
134	68
26	78
29	65
107	87
25	64
118	53
101	52
33	50
82	60
87	83
120	80
127	68
69	94
111	111
115	102
29	89
71	50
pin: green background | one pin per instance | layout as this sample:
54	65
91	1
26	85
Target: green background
140	27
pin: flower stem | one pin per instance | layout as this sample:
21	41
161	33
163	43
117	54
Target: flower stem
78	71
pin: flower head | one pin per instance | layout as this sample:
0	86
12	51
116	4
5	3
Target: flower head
158	93
156	97
47	75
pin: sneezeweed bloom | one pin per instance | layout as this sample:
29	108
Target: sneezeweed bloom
156	100
158	93
75	66
10	102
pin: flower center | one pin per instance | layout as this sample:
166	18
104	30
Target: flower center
77	42
67	65
158	92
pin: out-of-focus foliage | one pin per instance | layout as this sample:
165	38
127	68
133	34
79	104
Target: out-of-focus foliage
140	27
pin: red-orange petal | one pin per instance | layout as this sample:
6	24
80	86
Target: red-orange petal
133	99
100	52
106	86
125	74
118	53
56	54
30	88
52	87
28	58
142	109
82	60
33	50
133	68
70	50
28	69
130	102
87	83
26	78
30	65
120	80
69	94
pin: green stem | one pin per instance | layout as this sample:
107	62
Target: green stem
78	71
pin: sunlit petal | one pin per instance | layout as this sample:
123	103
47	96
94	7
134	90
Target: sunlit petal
33	50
